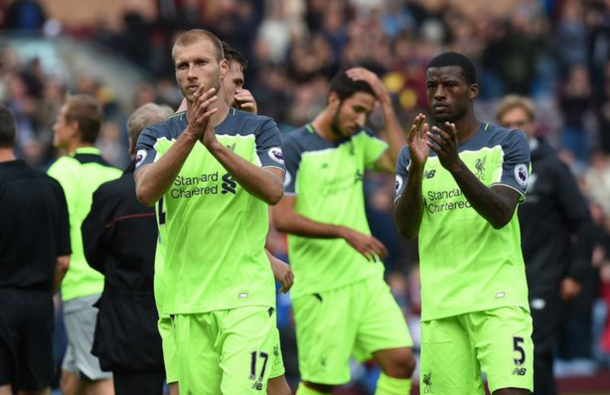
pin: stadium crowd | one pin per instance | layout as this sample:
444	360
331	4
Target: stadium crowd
555	52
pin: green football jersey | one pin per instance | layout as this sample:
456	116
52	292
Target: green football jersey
159	280
465	264
327	180
215	231
80	174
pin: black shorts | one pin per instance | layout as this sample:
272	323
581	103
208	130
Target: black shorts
26	339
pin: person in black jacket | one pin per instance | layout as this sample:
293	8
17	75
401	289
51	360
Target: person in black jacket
35	246
119	239
556	237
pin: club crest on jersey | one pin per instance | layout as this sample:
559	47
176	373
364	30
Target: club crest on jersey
276	155
398	182
140	156
521	174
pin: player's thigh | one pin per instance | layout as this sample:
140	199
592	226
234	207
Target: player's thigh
249	340
10	337
168	342
326	334
382	325
277	367
198	353
80	318
448	364
503	339
36	361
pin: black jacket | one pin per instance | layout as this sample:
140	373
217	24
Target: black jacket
556	228
119	240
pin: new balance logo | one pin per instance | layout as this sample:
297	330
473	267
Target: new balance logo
429	173
228	185
428	382
257	386
519	371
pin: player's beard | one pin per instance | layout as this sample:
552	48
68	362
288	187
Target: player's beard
335	125
216	84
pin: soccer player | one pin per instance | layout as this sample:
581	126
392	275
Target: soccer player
80	173
216	169
342	305
238	97
557	236
35	245
458	186
119	237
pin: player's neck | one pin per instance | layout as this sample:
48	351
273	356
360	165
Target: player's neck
322	126
6	155
221	114
76	144
467	127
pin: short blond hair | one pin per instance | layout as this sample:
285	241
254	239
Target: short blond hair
516	101
145	116
194	35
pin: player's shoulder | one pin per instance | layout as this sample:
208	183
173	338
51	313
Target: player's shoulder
501	135
249	123
305	139
63	164
403	156
170	128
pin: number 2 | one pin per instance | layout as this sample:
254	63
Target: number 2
253	361
517	343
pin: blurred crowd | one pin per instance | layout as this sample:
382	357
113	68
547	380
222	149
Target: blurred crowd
556	51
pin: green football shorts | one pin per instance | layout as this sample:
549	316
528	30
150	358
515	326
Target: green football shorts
355	320
168	341
226	351
455	350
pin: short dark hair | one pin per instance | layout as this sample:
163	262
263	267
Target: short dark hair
87	111
345	87
233	55
448	59
8	127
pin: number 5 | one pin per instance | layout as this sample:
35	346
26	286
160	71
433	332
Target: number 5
517	342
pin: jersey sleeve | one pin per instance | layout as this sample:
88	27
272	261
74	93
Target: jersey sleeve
292	156
402	172
145	148
515	170
269	146
374	147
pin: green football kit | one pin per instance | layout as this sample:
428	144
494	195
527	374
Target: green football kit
475	311
342	306
216	282
80	174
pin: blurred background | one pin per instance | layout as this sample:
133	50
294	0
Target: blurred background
555	51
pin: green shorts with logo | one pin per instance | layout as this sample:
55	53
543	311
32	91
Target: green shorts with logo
455	350
227	351
352	321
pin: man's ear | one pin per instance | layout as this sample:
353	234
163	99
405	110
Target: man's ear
224	68
333	100
473	91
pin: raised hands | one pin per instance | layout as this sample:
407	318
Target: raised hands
245	101
362	74
445	144
200	124
418	141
